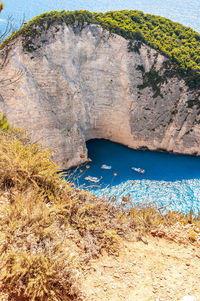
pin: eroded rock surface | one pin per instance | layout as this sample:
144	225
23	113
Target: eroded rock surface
84	84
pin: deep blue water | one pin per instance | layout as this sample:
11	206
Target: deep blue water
186	12
168	178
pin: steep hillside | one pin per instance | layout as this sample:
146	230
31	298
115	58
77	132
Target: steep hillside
67	79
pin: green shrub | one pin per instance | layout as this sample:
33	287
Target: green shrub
4	123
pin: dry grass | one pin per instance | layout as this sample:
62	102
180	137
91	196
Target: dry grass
49	229
36	258
25	165
144	219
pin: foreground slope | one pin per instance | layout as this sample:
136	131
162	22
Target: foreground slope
50	233
71	78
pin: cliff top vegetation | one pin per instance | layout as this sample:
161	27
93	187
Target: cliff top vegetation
179	43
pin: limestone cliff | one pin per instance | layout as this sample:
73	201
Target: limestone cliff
87	83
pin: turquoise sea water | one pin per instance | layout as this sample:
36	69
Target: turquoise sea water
186	12
169	179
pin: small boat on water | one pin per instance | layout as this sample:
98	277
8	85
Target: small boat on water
140	170
93	179
104	166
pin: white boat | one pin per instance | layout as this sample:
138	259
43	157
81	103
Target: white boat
92	179
104	166
140	170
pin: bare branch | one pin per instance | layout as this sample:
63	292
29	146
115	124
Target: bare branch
8	29
4	82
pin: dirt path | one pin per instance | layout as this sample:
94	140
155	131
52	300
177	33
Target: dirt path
158	271
154	269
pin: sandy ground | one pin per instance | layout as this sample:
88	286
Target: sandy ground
156	269
151	269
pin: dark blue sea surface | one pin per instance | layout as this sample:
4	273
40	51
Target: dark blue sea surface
182	11
169	179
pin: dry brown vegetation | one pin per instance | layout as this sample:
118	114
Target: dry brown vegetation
50	230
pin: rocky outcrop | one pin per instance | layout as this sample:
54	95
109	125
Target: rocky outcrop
87	83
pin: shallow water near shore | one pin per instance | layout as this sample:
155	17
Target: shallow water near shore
169	180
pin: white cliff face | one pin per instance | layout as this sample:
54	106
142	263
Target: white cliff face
89	84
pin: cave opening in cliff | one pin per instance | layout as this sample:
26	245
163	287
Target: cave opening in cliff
160	166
